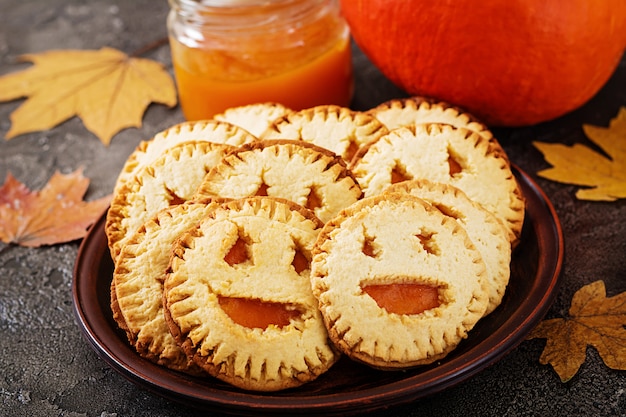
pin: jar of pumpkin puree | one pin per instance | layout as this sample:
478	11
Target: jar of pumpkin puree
229	53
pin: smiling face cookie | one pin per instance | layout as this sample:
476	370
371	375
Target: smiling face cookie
171	179
298	171
398	283
487	233
238	298
147	152
449	155
338	129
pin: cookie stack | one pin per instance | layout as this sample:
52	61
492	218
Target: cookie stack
260	246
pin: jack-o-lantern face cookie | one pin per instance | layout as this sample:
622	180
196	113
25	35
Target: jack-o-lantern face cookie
137	286
399	284
238	298
171	179
339	129
443	153
484	229
197	131
306	174
255	118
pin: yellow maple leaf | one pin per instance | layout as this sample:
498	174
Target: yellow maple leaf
55	214
106	88
580	165
593	320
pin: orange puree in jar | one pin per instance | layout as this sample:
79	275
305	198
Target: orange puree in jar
293	52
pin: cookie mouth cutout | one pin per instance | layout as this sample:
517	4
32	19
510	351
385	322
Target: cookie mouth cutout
256	313
405	297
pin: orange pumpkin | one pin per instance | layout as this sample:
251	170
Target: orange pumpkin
510	62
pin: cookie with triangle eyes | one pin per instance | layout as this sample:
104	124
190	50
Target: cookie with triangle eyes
255	118
399	284
193	131
484	229
338	129
238	300
137	285
171	179
299	171
446	154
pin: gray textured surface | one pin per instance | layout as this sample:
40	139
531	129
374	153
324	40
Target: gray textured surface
48	369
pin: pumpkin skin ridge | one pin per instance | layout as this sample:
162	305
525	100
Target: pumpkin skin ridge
510	63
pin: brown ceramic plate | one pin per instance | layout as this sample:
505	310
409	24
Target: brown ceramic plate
348	387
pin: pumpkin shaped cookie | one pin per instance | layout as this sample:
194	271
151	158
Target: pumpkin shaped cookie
443	153
306	174
255	118
204	130
484	229
171	179
399	284
137	285
238	299
339	129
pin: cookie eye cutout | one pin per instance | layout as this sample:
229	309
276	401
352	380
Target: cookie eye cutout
428	243
255	313
313	200
399	174
455	163
173	199
405	298
351	150
300	262
262	190
449	211
369	247
238	253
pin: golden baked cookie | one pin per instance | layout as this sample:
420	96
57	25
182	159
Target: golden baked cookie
171	179
255	118
443	153
399	284
197	131
238	299
486	232
137	286
417	110
299	171
336	128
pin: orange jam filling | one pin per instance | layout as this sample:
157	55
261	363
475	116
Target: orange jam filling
254	313
404	298
455	166
300	262
262	190
398	175
313	200
211	81
237	253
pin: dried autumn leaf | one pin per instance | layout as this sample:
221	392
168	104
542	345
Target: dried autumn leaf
580	165
107	89
593	320
56	214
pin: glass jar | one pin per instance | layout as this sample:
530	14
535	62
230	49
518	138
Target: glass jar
228	53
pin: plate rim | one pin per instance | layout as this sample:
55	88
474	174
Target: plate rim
431	381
